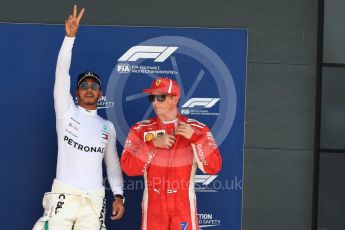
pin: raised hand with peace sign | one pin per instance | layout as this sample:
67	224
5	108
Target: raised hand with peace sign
72	22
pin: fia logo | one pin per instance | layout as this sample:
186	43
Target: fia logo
184	225
123	68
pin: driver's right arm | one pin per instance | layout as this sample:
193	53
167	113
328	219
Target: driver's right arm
62	96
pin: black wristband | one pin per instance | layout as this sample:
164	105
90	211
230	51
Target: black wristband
119	196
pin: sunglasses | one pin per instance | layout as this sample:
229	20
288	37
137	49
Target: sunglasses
85	86
160	97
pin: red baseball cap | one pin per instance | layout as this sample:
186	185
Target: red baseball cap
164	85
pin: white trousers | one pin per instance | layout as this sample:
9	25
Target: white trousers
67	207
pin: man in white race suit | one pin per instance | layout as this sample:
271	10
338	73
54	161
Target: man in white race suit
77	198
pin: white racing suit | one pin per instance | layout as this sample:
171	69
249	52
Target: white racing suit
85	140
66	206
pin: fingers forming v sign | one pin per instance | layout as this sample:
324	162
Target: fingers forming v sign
73	21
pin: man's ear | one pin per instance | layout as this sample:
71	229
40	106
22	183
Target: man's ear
100	94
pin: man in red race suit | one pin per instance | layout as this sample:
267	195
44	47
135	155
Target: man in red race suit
167	150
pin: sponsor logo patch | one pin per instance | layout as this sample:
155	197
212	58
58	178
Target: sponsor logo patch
148	136
60	203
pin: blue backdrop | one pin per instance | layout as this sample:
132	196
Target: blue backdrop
209	64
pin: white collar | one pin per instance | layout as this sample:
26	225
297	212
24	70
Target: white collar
170	122
87	111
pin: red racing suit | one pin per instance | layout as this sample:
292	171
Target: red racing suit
169	198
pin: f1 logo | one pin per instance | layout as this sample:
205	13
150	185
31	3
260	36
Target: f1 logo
205	179
205	102
184	225
159	53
